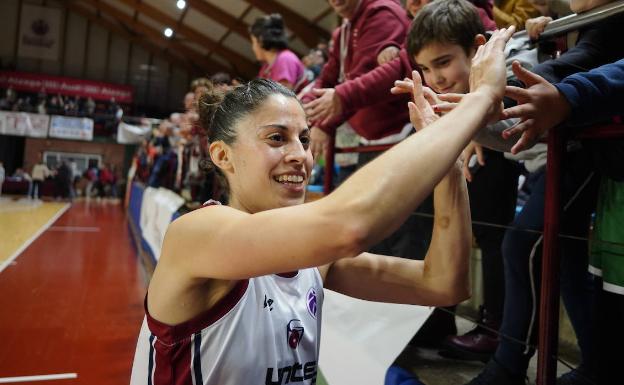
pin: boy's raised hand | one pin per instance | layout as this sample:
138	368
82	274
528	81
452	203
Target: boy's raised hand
488	74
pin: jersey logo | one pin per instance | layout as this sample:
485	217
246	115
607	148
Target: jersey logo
297	372
294	333
268	302
311	302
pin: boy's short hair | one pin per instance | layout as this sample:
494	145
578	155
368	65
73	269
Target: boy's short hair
447	22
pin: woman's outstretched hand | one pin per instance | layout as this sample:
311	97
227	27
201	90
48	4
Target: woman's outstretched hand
420	108
488	75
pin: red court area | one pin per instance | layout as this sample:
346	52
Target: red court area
73	301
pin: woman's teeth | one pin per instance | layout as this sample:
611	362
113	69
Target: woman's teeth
289	178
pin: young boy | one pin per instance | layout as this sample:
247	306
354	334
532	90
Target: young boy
443	39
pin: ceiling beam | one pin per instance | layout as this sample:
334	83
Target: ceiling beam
240	62
233	23
115	29
307	31
219	15
157	37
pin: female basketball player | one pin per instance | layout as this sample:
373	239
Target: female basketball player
237	295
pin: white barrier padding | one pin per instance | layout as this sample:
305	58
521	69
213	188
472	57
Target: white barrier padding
361	339
129	134
157	208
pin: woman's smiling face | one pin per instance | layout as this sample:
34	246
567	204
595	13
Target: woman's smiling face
270	160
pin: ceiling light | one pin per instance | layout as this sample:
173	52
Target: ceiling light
181	4
168	32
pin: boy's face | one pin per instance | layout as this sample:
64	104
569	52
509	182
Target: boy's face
446	67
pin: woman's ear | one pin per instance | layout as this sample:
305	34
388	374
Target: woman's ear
220	153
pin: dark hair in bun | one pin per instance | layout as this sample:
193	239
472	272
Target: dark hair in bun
219	112
270	31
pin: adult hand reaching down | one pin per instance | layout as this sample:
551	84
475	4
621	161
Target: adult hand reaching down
325	107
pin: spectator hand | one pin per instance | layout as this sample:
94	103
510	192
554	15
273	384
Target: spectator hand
319	141
536	26
387	54
324	108
540	107
488	73
472	149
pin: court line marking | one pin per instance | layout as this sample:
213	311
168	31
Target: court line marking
45	377
84	229
34	237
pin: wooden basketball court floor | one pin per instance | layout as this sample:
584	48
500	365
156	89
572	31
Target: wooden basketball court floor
71	302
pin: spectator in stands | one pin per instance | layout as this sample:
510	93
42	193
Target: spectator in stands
104	182
42	95
514	12
372	87
55	105
221	81
200	86
74	176
270	46
90	106
63	181
165	162
39	173
372	30
582	99
41	107
2	175
11	96
70	107
595	47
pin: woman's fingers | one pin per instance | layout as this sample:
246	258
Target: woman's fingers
444	108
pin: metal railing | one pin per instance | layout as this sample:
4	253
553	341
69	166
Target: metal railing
577	21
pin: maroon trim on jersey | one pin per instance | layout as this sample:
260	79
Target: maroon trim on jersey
290	274
172	364
172	334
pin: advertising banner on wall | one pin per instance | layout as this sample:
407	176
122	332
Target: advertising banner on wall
65	127
24	124
29	82
40	32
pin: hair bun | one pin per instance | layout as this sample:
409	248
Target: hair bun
207	105
275	20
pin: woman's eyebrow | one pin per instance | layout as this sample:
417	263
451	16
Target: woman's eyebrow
282	127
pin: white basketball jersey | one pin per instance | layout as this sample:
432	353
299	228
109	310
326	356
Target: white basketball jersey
265	331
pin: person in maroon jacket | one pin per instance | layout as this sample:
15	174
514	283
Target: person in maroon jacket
372	29
373	87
